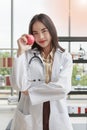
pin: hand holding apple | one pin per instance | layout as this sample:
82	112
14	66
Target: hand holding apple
24	43
30	39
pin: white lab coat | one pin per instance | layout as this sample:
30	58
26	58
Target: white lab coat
32	77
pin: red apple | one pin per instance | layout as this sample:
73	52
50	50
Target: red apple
30	39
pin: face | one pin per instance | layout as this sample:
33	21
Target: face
41	35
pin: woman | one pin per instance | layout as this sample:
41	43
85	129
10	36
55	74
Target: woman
44	80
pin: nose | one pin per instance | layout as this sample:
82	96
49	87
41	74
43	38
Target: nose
41	36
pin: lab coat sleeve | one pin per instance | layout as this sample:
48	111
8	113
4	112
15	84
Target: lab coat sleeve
54	90
19	76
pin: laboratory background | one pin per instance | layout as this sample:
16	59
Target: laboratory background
70	19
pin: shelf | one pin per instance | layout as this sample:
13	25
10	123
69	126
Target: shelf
80	61
78	115
77	95
81	92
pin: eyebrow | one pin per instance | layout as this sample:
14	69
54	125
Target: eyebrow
41	30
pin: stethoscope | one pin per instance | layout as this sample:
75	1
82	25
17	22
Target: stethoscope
34	80
35	57
40	61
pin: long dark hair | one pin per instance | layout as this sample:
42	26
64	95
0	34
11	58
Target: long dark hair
46	20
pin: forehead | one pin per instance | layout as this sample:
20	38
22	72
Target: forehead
37	26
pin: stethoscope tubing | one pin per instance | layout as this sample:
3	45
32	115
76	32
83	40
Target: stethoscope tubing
35	57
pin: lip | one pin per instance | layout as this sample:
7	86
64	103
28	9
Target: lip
42	42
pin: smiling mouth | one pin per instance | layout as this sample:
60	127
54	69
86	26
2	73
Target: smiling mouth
43	41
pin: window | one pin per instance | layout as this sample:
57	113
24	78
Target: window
70	21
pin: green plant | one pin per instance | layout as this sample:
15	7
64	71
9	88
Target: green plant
78	70
5	71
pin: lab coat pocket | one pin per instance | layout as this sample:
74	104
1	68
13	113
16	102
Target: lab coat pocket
21	121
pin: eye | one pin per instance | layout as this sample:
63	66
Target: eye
35	33
45	30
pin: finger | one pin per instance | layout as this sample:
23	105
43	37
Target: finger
24	39
24	35
25	92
